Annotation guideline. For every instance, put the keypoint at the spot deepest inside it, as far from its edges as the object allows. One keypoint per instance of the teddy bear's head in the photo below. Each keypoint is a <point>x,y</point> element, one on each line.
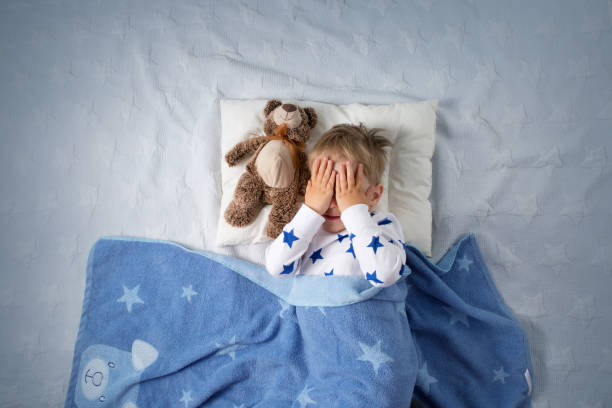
<point>299,120</point>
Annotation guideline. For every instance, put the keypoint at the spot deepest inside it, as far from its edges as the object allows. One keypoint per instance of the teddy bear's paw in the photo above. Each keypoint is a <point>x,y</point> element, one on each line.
<point>230,158</point>
<point>239,216</point>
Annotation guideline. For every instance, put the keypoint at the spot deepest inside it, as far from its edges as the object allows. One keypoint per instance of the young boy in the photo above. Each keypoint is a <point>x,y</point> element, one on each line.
<point>335,232</point>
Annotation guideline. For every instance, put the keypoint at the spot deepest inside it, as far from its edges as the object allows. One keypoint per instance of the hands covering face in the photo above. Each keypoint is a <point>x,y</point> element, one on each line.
<point>320,188</point>
<point>325,182</point>
<point>350,191</point>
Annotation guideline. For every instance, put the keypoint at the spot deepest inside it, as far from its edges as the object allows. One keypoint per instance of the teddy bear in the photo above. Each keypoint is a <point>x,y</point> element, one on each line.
<point>278,172</point>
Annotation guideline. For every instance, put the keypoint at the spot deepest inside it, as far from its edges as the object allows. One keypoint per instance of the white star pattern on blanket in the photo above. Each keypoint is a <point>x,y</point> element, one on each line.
<point>464,263</point>
<point>374,355</point>
<point>457,316</point>
<point>130,297</point>
<point>186,398</point>
<point>500,375</point>
<point>304,399</point>
<point>188,292</point>
<point>424,379</point>
<point>229,349</point>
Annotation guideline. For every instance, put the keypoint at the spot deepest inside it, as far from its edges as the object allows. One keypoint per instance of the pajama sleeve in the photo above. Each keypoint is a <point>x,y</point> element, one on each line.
<point>377,244</point>
<point>283,255</point>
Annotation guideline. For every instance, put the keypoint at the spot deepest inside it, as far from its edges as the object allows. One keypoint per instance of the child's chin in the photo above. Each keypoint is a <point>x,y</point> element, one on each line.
<point>333,226</point>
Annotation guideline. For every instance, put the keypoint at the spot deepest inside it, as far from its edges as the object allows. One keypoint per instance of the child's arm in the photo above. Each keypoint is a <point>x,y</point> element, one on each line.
<point>377,245</point>
<point>283,256</point>
<point>380,259</point>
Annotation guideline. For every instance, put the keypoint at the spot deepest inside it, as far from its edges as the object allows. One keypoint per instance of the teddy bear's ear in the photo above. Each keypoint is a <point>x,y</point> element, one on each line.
<point>271,105</point>
<point>312,116</point>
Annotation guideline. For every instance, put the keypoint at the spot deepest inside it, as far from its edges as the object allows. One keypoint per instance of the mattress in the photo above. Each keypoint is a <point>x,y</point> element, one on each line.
<point>109,119</point>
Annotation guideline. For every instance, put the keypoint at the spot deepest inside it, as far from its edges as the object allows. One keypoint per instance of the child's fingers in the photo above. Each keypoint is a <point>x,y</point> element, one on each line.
<point>343,178</point>
<point>350,180</point>
<point>338,188</point>
<point>322,167</point>
<point>332,180</point>
<point>315,169</point>
<point>328,170</point>
<point>360,174</point>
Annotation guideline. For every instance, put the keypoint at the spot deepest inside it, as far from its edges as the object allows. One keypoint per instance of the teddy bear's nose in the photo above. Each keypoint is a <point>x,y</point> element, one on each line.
<point>289,107</point>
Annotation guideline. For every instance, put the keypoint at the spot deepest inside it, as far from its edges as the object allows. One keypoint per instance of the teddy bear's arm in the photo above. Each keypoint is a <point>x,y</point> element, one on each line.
<point>241,150</point>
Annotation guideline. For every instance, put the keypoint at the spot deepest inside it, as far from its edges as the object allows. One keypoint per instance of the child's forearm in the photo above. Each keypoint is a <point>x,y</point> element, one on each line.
<point>284,253</point>
<point>378,248</point>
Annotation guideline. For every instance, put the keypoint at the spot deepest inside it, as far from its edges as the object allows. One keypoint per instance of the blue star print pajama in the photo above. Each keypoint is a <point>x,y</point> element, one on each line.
<point>370,246</point>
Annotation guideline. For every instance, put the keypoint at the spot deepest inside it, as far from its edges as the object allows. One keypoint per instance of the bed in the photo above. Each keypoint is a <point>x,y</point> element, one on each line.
<point>102,103</point>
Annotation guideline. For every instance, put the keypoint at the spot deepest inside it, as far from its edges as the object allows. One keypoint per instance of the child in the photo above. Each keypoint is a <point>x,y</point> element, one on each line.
<point>335,232</point>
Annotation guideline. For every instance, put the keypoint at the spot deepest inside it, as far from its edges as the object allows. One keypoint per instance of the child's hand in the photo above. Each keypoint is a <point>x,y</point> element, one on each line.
<point>320,188</point>
<point>348,191</point>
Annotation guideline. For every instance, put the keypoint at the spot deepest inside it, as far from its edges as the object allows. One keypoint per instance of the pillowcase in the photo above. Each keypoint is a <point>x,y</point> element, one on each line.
<point>406,179</point>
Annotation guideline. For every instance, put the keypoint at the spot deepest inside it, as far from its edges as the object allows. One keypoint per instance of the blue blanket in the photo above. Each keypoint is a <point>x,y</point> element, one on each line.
<point>163,326</point>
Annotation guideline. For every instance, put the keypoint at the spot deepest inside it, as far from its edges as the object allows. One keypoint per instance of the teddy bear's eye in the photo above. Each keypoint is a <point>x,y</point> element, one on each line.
<point>102,398</point>
<point>111,364</point>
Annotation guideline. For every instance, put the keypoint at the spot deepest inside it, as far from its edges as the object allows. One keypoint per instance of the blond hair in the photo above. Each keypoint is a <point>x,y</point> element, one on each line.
<point>359,145</point>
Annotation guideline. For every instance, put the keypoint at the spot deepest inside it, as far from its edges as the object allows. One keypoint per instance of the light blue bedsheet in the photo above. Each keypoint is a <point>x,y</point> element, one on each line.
<point>166,326</point>
<point>109,125</point>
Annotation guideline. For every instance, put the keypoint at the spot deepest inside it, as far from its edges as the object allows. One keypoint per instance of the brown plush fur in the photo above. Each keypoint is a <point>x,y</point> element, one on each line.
<point>252,193</point>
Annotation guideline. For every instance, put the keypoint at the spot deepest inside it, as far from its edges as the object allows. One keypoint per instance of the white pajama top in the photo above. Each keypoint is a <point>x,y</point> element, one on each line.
<point>371,246</point>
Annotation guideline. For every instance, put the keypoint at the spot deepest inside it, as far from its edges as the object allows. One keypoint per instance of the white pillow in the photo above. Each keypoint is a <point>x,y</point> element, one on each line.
<point>410,126</point>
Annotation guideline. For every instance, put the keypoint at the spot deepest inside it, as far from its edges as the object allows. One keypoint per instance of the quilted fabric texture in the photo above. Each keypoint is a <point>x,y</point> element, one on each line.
<point>109,125</point>
<point>411,127</point>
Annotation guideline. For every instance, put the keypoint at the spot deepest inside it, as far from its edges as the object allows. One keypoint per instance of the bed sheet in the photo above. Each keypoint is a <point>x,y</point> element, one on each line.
<point>109,125</point>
